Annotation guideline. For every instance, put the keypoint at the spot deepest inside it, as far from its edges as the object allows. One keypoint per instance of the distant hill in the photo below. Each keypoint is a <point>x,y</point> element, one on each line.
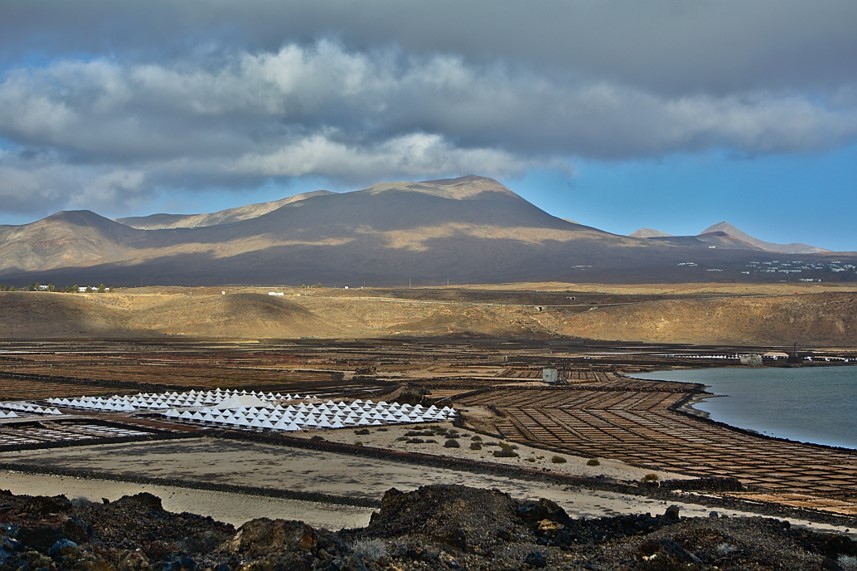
<point>464,230</point>
<point>736,236</point>
<point>724,235</point>
<point>648,233</point>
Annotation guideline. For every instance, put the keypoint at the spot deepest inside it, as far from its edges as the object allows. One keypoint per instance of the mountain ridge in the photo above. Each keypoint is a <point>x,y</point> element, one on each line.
<point>470,229</point>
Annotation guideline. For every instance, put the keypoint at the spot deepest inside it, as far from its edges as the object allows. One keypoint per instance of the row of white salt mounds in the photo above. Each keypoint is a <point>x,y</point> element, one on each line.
<point>164,401</point>
<point>265,416</point>
<point>27,407</point>
<point>10,414</point>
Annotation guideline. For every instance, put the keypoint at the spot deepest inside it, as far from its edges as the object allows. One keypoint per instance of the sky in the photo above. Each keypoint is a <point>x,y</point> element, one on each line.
<point>668,114</point>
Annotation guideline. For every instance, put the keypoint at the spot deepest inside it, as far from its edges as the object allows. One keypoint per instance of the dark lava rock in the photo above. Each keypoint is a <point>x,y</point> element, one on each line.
<point>43,505</point>
<point>76,529</point>
<point>671,515</point>
<point>281,544</point>
<point>535,559</point>
<point>533,512</point>
<point>40,537</point>
<point>712,484</point>
<point>63,547</point>
<point>457,516</point>
<point>434,527</point>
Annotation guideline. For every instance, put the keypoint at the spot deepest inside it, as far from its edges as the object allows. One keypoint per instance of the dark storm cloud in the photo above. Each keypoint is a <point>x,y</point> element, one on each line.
<point>660,45</point>
<point>118,99</point>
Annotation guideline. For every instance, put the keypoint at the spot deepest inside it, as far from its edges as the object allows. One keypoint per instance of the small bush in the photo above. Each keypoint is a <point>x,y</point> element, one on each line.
<point>530,459</point>
<point>401,438</point>
<point>317,438</point>
<point>362,431</point>
<point>476,437</point>
<point>451,443</point>
<point>415,441</point>
<point>383,429</point>
<point>505,452</point>
<point>558,460</point>
<point>358,443</point>
<point>369,549</point>
<point>476,446</point>
<point>650,478</point>
<point>419,433</point>
<point>593,462</point>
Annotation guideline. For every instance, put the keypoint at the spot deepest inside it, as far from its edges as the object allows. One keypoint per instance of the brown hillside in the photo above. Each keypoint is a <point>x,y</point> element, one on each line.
<point>824,319</point>
<point>739,316</point>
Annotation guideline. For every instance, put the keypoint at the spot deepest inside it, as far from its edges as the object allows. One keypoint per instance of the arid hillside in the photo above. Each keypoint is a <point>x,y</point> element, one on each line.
<point>740,315</point>
<point>827,319</point>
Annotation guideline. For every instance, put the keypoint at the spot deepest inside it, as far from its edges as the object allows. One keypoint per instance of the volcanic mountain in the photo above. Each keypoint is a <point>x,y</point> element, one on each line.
<point>724,229</point>
<point>463,230</point>
<point>725,235</point>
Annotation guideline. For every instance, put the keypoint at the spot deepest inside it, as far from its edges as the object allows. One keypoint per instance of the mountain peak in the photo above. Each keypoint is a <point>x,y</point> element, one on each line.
<point>79,218</point>
<point>461,188</point>
<point>649,233</point>
<point>724,226</point>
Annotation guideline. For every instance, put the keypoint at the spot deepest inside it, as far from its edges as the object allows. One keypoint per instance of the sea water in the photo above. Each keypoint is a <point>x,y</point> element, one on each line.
<point>807,404</point>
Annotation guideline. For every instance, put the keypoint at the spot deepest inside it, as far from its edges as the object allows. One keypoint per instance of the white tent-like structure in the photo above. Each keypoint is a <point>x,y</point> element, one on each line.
<point>251,410</point>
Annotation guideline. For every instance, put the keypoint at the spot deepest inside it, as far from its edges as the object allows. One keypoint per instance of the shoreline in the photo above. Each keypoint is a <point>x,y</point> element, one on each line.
<point>703,393</point>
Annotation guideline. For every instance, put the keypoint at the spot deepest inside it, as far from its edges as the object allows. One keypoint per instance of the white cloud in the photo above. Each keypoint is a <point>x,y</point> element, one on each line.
<point>322,110</point>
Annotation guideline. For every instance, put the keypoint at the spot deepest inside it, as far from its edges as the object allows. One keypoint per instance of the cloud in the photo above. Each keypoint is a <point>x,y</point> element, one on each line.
<point>120,102</point>
<point>660,46</point>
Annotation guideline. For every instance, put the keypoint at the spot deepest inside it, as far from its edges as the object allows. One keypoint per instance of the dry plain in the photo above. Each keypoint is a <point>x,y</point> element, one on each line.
<point>480,349</point>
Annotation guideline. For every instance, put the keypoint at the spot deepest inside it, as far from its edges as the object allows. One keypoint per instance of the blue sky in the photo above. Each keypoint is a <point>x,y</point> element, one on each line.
<point>614,114</point>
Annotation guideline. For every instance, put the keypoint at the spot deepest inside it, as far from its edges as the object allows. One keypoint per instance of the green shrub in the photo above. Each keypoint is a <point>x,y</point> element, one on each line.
<point>476,446</point>
<point>451,443</point>
<point>593,462</point>
<point>558,460</point>
<point>362,431</point>
<point>505,452</point>
<point>650,478</point>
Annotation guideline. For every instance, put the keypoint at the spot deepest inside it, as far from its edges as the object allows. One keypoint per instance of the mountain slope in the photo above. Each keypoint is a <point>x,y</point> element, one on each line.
<point>165,221</point>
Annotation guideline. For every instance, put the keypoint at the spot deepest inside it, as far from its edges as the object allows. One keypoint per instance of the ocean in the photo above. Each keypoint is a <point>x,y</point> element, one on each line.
<point>807,404</point>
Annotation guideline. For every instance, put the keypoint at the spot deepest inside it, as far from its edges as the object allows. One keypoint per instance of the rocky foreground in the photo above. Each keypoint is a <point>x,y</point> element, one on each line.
<point>434,527</point>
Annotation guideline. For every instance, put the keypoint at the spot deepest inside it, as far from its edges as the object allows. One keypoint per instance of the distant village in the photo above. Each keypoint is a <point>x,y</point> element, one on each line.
<point>101,288</point>
<point>787,268</point>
